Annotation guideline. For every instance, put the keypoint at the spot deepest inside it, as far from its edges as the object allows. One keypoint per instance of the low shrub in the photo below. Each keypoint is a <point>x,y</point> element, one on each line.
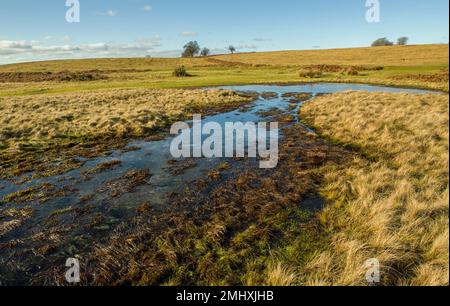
<point>180,72</point>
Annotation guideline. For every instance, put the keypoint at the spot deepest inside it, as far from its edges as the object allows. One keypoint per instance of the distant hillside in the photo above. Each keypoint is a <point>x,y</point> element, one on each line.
<point>384,56</point>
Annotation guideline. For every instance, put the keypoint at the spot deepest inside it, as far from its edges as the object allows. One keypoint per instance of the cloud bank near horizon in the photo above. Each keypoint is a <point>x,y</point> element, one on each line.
<point>19,51</point>
<point>40,50</point>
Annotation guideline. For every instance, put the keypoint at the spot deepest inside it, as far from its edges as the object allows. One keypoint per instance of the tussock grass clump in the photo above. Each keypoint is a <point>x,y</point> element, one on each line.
<point>391,203</point>
<point>311,74</point>
<point>352,71</point>
<point>439,77</point>
<point>297,97</point>
<point>279,275</point>
<point>269,95</point>
<point>180,72</point>
<point>104,167</point>
<point>339,68</point>
<point>12,218</point>
<point>319,71</point>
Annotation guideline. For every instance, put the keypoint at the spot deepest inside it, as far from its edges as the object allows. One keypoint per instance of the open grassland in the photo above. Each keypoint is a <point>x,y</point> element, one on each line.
<point>423,55</point>
<point>410,66</point>
<point>29,121</point>
<point>392,202</point>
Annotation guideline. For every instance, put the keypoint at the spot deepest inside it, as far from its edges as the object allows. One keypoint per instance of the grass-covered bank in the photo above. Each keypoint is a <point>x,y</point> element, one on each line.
<point>390,203</point>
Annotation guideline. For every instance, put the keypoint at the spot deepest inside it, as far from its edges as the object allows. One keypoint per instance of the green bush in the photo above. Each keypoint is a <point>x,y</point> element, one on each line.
<point>180,72</point>
<point>380,42</point>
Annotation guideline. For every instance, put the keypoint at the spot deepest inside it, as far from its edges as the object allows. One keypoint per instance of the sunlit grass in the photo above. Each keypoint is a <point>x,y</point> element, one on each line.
<point>392,202</point>
<point>34,120</point>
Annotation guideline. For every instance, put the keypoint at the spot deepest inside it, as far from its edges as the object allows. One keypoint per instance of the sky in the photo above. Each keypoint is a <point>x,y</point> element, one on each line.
<point>33,30</point>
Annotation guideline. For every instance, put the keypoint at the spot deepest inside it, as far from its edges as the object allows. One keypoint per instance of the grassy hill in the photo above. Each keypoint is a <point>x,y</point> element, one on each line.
<point>417,55</point>
<point>384,56</point>
<point>424,66</point>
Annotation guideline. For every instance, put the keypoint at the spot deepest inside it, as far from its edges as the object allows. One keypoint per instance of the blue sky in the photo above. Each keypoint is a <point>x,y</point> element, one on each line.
<point>38,30</point>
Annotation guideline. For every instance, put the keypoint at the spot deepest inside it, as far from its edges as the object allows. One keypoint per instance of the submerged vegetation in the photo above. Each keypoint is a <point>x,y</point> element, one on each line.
<point>233,227</point>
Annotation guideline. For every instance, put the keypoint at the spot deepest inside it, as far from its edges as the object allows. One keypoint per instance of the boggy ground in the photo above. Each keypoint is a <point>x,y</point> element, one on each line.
<point>35,131</point>
<point>316,218</point>
<point>239,226</point>
<point>374,184</point>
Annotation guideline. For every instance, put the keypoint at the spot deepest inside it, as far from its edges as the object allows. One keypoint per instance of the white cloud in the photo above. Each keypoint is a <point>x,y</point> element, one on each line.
<point>110,13</point>
<point>10,44</point>
<point>14,51</point>
<point>65,38</point>
<point>9,47</point>
<point>261,39</point>
<point>148,8</point>
<point>188,34</point>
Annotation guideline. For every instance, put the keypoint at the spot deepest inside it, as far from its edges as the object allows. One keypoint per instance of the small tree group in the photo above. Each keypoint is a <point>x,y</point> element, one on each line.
<point>192,49</point>
<point>382,42</point>
<point>402,41</point>
<point>205,52</point>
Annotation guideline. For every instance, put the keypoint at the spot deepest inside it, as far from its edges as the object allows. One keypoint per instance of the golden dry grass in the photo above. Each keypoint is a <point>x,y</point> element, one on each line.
<point>392,202</point>
<point>383,56</point>
<point>111,65</point>
<point>33,120</point>
<point>279,275</point>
